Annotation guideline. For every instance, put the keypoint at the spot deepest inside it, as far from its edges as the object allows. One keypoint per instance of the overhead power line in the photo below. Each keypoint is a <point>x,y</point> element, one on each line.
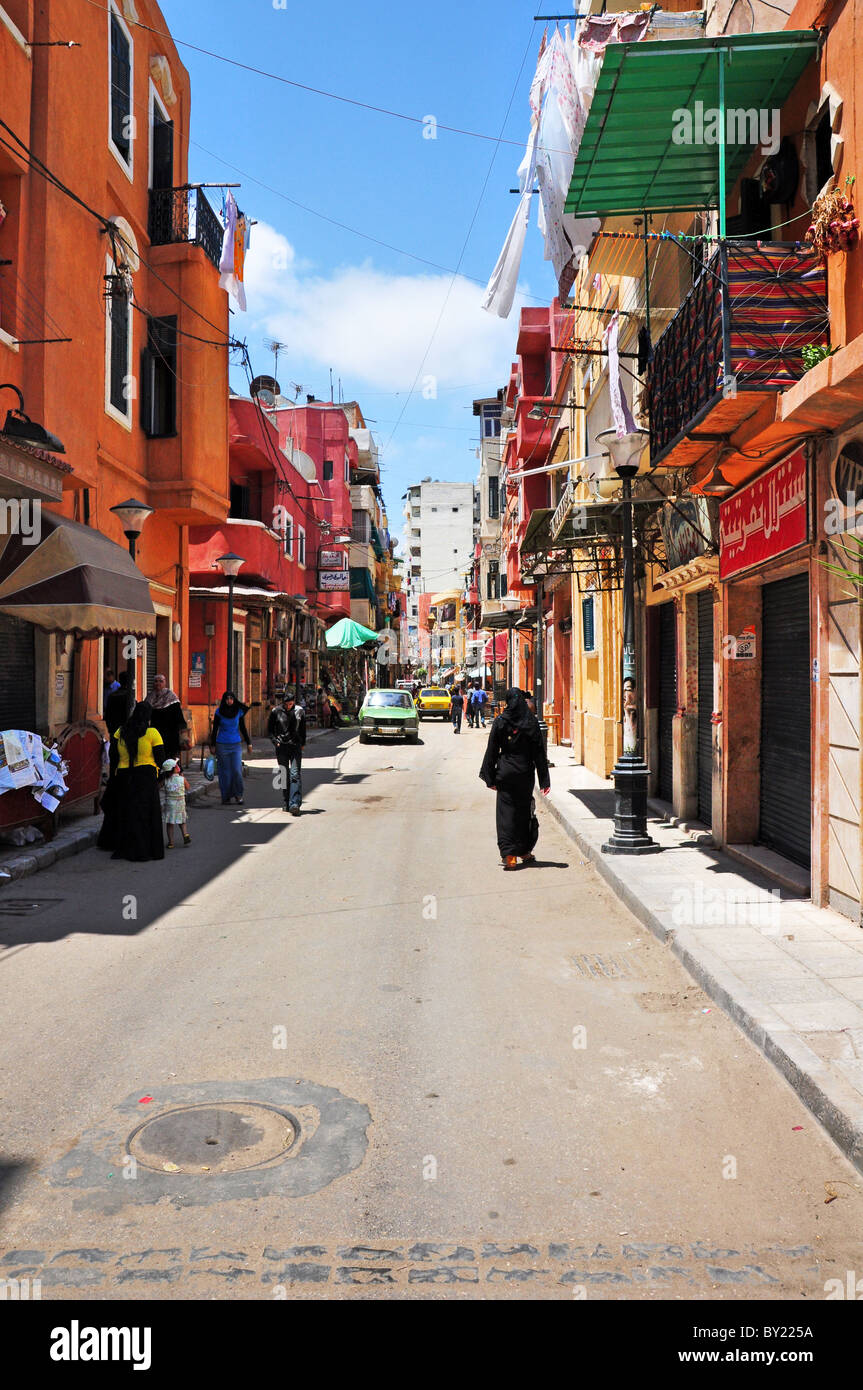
<point>321,91</point>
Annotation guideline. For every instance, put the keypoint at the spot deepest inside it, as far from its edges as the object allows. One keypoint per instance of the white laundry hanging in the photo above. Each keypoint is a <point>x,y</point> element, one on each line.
<point>559,109</point>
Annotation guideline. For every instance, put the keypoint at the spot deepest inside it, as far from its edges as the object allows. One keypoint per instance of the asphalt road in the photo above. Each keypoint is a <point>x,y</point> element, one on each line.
<point>501,1085</point>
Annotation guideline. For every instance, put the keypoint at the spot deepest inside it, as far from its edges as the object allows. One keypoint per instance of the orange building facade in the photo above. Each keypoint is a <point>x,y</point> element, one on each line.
<point>113,326</point>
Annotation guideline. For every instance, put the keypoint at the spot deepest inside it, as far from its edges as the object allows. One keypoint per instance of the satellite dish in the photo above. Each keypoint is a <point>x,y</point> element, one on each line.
<point>265,389</point>
<point>304,465</point>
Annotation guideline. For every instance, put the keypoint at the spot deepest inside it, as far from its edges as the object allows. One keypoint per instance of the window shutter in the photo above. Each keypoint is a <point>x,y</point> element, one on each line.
<point>121,89</point>
<point>119,318</point>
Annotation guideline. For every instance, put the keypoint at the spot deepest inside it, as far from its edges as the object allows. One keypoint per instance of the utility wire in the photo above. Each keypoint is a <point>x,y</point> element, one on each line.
<point>109,227</point>
<point>320,91</point>
<point>457,270</point>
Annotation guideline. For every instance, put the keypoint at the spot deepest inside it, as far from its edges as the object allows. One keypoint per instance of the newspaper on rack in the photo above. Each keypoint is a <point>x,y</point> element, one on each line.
<point>25,761</point>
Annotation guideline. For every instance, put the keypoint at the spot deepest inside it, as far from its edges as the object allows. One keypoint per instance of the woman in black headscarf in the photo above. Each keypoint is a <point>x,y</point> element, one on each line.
<point>515,754</point>
<point>136,814</point>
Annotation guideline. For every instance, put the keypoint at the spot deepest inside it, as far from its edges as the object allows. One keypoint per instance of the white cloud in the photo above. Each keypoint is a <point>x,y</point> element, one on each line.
<point>371,326</point>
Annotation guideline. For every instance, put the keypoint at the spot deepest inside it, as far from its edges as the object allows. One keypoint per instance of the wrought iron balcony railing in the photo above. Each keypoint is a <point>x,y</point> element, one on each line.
<point>741,328</point>
<point>184,215</point>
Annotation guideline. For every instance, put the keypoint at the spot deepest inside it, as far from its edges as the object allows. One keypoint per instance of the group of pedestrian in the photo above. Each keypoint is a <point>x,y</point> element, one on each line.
<point>470,702</point>
<point>145,792</point>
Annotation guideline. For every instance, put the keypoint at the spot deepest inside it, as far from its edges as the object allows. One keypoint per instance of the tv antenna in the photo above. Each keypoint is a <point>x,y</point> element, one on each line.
<point>275,347</point>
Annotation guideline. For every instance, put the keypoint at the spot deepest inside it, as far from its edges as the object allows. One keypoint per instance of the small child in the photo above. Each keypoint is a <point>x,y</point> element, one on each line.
<point>173,787</point>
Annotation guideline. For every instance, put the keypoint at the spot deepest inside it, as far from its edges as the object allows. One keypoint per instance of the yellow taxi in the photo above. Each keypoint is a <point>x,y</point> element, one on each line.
<point>431,700</point>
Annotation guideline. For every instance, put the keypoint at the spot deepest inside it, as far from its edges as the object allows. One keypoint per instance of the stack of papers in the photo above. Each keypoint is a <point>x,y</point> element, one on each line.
<point>25,761</point>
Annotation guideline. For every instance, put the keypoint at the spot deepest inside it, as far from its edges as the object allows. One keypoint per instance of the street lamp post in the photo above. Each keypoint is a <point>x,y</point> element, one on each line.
<point>539,658</point>
<point>230,566</point>
<point>630,772</point>
<point>132,515</point>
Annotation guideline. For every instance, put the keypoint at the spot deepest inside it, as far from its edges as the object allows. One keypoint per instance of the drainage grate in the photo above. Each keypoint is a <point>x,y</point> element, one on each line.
<point>605,967</point>
<point>25,907</point>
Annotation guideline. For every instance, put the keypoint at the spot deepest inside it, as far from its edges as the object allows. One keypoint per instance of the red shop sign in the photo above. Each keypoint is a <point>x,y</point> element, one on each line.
<point>766,518</point>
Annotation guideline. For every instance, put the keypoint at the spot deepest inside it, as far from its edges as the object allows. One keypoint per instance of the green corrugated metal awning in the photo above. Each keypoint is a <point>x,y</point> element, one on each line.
<point>361,584</point>
<point>628,160</point>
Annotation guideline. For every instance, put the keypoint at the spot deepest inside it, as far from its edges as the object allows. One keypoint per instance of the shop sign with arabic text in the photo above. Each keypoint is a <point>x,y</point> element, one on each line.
<point>766,518</point>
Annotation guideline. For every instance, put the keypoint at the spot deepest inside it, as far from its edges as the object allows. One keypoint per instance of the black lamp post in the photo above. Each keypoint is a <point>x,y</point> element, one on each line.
<point>132,515</point>
<point>630,772</point>
<point>540,572</point>
<point>230,566</point>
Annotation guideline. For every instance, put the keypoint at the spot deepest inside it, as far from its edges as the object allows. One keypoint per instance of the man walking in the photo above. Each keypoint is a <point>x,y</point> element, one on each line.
<point>457,707</point>
<point>287,729</point>
<point>478,700</point>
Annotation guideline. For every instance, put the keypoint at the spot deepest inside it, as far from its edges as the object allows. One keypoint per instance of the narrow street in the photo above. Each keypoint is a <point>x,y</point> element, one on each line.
<point>479,1115</point>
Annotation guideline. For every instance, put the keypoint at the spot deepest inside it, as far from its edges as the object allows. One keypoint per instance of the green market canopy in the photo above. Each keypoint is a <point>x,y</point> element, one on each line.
<point>347,634</point>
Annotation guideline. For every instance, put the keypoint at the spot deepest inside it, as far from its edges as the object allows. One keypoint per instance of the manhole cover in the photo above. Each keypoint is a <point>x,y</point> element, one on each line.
<point>220,1138</point>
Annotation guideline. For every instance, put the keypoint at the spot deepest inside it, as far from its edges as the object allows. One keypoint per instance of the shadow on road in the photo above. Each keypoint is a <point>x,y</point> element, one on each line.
<point>95,895</point>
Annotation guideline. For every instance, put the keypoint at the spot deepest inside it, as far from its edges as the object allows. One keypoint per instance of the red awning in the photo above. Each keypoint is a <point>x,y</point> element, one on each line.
<point>495,647</point>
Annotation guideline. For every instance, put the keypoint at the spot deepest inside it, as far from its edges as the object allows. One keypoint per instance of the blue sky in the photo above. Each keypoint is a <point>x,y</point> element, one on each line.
<point>339,300</point>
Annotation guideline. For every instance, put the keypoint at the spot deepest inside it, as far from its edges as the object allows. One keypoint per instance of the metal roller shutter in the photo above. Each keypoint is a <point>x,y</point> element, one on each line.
<point>785,719</point>
<point>667,698</point>
<point>704,732</point>
<point>17,674</point>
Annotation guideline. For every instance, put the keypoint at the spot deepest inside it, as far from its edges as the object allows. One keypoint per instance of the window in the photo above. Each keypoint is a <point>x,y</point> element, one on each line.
<point>240,500</point>
<point>493,497</point>
<point>434,509</point>
<point>588,624</point>
<point>120,79</point>
<point>161,143</point>
<point>347,469</point>
<point>328,470</point>
<point>289,537</point>
<point>159,379</point>
<point>455,509</point>
<point>118,346</point>
<point>301,546</point>
<point>491,422</point>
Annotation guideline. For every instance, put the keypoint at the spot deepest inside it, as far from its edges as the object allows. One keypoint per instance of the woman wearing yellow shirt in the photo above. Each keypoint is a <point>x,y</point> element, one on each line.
<point>134,815</point>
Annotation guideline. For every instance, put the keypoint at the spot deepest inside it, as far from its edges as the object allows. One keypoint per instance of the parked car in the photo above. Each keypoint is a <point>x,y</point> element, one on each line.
<point>434,699</point>
<point>390,714</point>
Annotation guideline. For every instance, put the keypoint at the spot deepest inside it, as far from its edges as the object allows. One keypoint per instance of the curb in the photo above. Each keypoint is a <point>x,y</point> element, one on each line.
<point>66,843</point>
<point>73,841</point>
<point>831,1100</point>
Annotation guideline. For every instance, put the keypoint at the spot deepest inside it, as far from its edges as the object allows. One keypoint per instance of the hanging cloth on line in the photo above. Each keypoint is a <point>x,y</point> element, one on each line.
<point>235,244</point>
<point>620,411</point>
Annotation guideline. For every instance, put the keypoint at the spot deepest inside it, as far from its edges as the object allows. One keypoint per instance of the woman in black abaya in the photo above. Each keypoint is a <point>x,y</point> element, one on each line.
<point>514,756</point>
<point>136,814</point>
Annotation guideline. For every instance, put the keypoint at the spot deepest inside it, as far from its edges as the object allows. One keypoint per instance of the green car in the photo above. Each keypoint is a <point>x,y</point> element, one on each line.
<point>390,713</point>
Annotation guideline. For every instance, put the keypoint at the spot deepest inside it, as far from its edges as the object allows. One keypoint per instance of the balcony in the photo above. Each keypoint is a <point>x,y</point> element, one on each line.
<point>735,341</point>
<point>180,215</point>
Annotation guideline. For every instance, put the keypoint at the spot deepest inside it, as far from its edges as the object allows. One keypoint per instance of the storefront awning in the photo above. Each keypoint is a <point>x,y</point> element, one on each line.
<point>495,647</point>
<point>628,160</point>
<point>71,578</point>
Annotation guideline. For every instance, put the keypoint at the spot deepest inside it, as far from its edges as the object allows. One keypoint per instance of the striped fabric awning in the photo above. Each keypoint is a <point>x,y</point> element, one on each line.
<point>71,578</point>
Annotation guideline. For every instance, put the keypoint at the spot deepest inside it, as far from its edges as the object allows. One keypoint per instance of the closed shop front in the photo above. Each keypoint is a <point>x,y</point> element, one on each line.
<point>667,699</point>
<point>17,673</point>
<point>786,794</point>
<point>704,723</point>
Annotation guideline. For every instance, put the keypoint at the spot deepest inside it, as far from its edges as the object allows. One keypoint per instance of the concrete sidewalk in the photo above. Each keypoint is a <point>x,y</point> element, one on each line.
<point>78,833</point>
<point>788,973</point>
